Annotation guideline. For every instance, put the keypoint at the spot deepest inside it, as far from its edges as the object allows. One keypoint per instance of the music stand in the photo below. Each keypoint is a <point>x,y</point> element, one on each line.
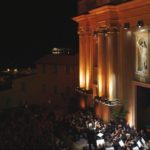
<point>143,141</point>
<point>135,148</point>
<point>109,148</point>
<point>139,144</point>
<point>121,143</point>
<point>100,142</point>
<point>100,135</point>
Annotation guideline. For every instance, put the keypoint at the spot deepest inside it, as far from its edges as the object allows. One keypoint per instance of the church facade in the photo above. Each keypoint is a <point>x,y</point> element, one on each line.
<point>114,58</point>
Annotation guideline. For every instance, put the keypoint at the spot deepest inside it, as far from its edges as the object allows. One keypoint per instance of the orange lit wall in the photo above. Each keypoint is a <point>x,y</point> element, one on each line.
<point>111,55</point>
<point>87,42</point>
<point>85,59</point>
<point>82,103</point>
<point>101,64</point>
<point>115,68</point>
<point>82,63</point>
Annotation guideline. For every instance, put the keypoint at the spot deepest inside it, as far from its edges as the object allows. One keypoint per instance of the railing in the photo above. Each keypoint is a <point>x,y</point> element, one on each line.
<point>83,91</point>
<point>106,101</point>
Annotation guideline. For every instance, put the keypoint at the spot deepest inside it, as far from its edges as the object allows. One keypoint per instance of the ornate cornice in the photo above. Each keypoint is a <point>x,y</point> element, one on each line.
<point>85,30</point>
<point>131,12</point>
<point>106,30</point>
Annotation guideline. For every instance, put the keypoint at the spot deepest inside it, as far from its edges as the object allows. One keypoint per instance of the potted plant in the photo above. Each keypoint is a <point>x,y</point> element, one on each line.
<point>119,113</point>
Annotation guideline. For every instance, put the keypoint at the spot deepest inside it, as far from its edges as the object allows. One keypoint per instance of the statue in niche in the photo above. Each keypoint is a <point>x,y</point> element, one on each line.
<point>142,52</point>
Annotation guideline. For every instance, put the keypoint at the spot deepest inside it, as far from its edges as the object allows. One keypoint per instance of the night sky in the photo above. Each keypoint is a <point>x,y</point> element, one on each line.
<point>28,30</point>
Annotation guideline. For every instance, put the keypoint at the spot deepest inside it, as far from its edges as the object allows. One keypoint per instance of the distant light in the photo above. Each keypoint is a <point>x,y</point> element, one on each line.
<point>57,51</point>
<point>8,69</point>
<point>15,70</point>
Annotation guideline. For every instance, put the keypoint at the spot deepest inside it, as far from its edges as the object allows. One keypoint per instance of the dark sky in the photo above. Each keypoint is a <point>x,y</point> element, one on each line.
<point>29,29</point>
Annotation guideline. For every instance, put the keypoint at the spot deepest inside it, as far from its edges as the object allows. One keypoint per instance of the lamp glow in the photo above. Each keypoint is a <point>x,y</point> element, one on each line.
<point>100,87</point>
<point>87,80</point>
<point>130,118</point>
<point>82,103</point>
<point>82,81</point>
<point>112,87</point>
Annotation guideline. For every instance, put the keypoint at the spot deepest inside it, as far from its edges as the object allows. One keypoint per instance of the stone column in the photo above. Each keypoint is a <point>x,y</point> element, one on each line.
<point>91,61</point>
<point>82,59</point>
<point>111,63</point>
<point>101,63</point>
<point>88,60</point>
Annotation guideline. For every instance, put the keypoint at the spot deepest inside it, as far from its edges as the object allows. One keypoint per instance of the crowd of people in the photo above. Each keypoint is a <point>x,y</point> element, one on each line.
<point>37,128</point>
<point>29,128</point>
<point>116,134</point>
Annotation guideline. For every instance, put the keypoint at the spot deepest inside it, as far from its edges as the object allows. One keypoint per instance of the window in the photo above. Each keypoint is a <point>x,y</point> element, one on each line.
<point>55,68</point>
<point>68,69</point>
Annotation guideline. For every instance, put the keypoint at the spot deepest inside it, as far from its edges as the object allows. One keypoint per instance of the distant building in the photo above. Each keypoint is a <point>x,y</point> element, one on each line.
<point>53,83</point>
<point>58,75</point>
<point>7,75</point>
<point>62,51</point>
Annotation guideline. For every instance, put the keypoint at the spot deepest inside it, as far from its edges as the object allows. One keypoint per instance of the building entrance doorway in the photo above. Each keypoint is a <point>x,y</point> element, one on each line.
<point>143,107</point>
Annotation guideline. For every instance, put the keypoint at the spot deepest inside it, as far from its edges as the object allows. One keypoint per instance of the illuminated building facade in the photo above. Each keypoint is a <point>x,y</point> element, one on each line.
<point>112,37</point>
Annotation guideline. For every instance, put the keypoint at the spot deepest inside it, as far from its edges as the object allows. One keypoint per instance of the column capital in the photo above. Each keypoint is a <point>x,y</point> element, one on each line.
<point>113,29</point>
<point>106,30</point>
<point>85,30</point>
<point>100,31</point>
